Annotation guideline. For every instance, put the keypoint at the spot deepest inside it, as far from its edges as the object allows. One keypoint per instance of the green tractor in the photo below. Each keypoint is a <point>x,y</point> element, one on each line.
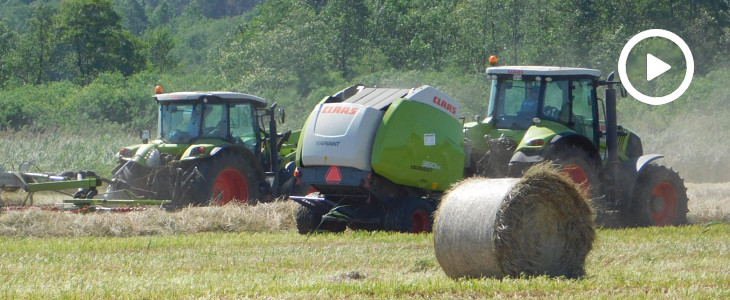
<point>554,114</point>
<point>211,148</point>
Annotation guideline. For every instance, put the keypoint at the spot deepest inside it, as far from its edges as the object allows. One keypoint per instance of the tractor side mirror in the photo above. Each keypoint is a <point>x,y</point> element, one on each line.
<point>282,114</point>
<point>623,92</point>
<point>145,136</point>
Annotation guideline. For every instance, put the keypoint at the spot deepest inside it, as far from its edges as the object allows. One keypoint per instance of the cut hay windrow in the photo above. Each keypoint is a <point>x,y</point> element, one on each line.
<point>540,224</point>
<point>264,217</point>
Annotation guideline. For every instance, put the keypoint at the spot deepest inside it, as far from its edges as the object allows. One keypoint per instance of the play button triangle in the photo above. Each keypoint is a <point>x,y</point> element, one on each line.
<point>655,67</point>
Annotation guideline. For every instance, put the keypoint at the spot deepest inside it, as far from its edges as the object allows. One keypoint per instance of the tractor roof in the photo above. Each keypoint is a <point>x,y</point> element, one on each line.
<point>221,96</point>
<point>543,71</point>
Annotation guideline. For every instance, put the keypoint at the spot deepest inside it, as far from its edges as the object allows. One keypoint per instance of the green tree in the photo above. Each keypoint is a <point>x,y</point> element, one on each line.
<point>93,32</point>
<point>7,46</point>
<point>280,51</point>
<point>390,30</point>
<point>348,24</point>
<point>221,8</point>
<point>162,14</point>
<point>161,43</point>
<point>133,15</point>
<point>36,48</point>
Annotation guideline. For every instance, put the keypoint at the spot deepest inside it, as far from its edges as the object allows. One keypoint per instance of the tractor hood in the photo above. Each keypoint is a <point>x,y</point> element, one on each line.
<point>149,155</point>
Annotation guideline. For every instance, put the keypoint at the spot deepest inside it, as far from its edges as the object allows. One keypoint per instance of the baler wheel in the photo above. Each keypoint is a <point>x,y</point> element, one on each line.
<point>420,221</point>
<point>309,221</point>
<point>415,216</point>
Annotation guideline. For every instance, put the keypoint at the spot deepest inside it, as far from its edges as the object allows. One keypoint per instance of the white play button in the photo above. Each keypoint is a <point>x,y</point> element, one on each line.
<point>655,67</point>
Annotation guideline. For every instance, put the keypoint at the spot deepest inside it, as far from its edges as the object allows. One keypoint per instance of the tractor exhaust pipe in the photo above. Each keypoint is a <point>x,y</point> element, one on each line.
<point>611,134</point>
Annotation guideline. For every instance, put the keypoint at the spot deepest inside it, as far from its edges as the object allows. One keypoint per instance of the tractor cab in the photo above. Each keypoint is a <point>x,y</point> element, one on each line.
<point>555,96</point>
<point>190,116</point>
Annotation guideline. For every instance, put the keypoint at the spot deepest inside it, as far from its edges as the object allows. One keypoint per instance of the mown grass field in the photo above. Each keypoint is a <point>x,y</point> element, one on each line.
<point>685,262</point>
<point>254,251</point>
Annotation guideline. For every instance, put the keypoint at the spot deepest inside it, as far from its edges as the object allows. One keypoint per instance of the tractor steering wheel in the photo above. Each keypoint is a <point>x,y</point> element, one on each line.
<point>551,112</point>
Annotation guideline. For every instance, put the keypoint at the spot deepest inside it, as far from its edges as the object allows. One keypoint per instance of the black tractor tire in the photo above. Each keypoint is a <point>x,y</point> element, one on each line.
<point>217,180</point>
<point>132,178</point>
<point>309,221</point>
<point>659,198</point>
<point>576,163</point>
<point>413,216</point>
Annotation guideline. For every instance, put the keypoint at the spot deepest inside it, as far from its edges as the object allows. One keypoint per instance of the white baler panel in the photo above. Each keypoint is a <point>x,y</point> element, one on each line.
<point>340,134</point>
<point>431,96</point>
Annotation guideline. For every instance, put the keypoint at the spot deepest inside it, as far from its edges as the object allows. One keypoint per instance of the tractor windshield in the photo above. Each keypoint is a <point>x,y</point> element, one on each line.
<point>514,103</point>
<point>183,122</point>
<point>569,101</point>
<point>180,123</point>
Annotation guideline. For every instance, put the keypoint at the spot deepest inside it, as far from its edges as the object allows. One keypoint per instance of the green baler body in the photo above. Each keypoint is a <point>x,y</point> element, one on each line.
<point>418,145</point>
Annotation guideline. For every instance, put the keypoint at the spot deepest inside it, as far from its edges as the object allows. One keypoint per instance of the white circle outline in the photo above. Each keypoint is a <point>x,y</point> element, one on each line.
<point>687,57</point>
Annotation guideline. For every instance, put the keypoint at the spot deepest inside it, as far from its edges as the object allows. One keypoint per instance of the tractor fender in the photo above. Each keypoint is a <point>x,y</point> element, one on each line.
<point>523,160</point>
<point>566,138</point>
<point>642,161</point>
<point>572,138</point>
<point>287,178</point>
<point>629,174</point>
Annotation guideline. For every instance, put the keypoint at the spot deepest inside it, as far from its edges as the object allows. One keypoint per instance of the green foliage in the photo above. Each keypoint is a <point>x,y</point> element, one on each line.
<point>35,54</point>
<point>162,14</point>
<point>7,41</point>
<point>161,43</point>
<point>93,31</point>
<point>111,98</point>
<point>133,15</point>
<point>347,22</point>
<point>276,51</point>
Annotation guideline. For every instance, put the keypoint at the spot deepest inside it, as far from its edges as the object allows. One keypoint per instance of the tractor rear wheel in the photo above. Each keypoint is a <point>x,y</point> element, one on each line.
<point>309,221</point>
<point>659,198</point>
<point>217,180</point>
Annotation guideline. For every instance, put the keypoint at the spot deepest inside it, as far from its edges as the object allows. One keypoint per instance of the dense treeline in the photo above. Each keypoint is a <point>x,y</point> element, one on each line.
<point>64,62</point>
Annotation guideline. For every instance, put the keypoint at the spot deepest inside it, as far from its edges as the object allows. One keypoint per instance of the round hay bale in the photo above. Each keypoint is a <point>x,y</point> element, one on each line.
<point>540,224</point>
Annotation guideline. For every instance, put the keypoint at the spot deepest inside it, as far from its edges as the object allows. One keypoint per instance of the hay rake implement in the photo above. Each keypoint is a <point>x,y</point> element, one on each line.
<point>84,182</point>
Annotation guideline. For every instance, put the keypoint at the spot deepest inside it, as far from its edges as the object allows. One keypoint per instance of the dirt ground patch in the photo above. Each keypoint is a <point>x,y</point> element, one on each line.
<point>708,202</point>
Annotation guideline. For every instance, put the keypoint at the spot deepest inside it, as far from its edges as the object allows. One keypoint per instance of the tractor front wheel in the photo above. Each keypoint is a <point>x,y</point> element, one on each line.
<point>217,180</point>
<point>129,177</point>
<point>659,198</point>
<point>577,165</point>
